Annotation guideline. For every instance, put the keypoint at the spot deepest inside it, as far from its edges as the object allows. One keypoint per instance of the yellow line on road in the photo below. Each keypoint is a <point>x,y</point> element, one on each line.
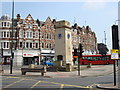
<point>76,86</point>
<point>9,77</point>
<point>66,84</point>
<point>35,84</point>
<point>13,83</point>
<point>61,87</point>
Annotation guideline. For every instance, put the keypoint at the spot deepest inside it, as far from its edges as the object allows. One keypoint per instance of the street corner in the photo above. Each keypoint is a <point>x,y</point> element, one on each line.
<point>107,86</point>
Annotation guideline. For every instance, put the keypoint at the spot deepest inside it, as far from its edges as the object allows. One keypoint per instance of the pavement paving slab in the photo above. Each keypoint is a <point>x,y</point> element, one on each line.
<point>107,86</point>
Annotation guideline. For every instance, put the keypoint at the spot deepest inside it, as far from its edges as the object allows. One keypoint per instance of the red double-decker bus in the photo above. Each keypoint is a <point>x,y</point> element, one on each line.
<point>96,59</point>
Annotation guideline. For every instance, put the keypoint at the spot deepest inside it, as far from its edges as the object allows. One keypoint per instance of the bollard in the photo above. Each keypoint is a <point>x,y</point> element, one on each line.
<point>68,67</point>
<point>44,70</point>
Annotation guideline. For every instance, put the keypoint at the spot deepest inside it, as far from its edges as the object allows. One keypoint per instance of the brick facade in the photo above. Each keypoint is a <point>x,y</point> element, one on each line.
<point>33,36</point>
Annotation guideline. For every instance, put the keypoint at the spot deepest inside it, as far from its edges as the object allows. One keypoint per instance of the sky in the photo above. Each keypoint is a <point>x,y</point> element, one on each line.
<point>100,15</point>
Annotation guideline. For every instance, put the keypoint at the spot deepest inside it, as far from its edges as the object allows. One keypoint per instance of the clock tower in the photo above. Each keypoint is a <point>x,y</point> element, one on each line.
<point>63,43</point>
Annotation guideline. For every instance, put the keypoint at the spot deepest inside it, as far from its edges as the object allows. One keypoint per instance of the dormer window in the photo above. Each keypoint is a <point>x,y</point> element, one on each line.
<point>30,25</point>
<point>27,26</point>
<point>29,18</point>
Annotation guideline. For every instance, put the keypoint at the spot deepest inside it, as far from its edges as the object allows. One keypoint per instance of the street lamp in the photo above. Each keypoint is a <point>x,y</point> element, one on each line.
<point>11,59</point>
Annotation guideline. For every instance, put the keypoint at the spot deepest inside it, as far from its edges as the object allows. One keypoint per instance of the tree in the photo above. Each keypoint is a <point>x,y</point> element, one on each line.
<point>102,48</point>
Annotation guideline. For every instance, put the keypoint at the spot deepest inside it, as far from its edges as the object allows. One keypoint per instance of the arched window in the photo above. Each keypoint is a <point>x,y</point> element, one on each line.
<point>42,45</point>
<point>42,35</point>
<point>5,24</point>
<point>47,46</point>
<point>36,34</point>
<point>47,36</point>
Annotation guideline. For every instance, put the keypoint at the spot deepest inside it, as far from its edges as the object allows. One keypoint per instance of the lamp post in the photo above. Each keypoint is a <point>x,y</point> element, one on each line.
<point>40,56</point>
<point>11,59</point>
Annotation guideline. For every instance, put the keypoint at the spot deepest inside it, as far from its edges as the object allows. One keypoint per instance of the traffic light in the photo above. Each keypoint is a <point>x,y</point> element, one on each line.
<point>2,52</point>
<point>80,49</point>
<point>115,40</point>
<point>75,52</point>
<point>12,54</point>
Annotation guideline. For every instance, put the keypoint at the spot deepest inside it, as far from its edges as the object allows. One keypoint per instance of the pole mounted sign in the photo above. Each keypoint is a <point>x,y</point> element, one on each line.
<point>114,54</point>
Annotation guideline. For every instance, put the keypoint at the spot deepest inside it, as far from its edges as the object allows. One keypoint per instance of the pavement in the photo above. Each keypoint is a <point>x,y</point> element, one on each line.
<point>95,70</point>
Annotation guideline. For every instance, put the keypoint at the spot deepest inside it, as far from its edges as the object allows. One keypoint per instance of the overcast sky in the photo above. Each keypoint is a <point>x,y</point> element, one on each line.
<point>100,15</point>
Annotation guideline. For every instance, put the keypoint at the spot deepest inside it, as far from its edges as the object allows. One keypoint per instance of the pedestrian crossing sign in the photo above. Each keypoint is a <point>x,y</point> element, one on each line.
<point>114,54</point>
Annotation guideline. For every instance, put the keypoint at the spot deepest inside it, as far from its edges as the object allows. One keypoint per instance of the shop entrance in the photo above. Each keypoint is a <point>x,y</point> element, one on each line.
<point>6,60</point>
<point>30,60</point>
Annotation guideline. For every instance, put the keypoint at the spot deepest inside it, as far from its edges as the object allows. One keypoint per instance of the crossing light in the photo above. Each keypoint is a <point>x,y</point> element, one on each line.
<point>115,40</point>
<point>80,49</point>
<point>12,54</point>
<point>75,52</point>
<point>75,55</point>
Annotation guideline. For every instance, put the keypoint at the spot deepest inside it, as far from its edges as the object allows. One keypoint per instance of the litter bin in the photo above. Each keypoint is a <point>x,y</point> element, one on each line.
<point>68,67</point>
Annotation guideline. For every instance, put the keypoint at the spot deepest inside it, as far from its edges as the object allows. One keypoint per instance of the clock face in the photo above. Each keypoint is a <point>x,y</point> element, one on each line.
<point>68,36</point>
<point>59,36</point>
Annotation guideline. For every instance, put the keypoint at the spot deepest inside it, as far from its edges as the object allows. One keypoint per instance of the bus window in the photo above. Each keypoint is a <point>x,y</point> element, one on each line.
<point>84,58</point>
<point>90,58</point>
<point>94,58</point>
<point>97,58</point>
<point>101,58</point>
<point>107,58</point>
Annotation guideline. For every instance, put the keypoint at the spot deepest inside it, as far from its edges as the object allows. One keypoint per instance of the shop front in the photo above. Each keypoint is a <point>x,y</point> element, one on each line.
<point>30,58</point>
<point>47,55</point>
<point>6,58</point>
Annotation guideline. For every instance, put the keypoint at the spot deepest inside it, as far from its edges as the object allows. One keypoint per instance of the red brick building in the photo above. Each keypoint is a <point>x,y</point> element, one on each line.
<point>34,40</point>
<point>86,37</point>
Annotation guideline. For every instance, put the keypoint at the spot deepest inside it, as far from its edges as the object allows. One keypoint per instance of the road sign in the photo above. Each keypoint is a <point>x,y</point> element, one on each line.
<point>114,54</point>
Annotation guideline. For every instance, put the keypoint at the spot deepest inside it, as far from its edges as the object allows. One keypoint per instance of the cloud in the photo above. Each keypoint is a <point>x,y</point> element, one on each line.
<point>94,5</point>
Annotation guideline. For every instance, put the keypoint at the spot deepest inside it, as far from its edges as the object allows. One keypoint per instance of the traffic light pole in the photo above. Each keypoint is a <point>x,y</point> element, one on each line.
<point>2,59</point>
<point>114,73</point>
<point>78,65</point>
<point>115,45</point>
<point>80,51</point>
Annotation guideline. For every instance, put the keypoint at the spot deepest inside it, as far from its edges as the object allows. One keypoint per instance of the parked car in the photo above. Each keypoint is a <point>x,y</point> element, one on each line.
<point>48,62</point>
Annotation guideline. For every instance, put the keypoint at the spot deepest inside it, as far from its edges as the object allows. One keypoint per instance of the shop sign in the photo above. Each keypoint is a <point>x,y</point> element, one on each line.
<point>7,53</point>
<point>28,55</point>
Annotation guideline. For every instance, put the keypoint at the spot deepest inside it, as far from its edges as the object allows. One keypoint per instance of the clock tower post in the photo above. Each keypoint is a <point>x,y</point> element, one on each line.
<point>63,43</point>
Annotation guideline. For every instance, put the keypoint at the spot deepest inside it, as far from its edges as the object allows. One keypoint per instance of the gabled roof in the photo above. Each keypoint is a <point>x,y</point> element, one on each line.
<point>48,20</point>
<point>29,18</point>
